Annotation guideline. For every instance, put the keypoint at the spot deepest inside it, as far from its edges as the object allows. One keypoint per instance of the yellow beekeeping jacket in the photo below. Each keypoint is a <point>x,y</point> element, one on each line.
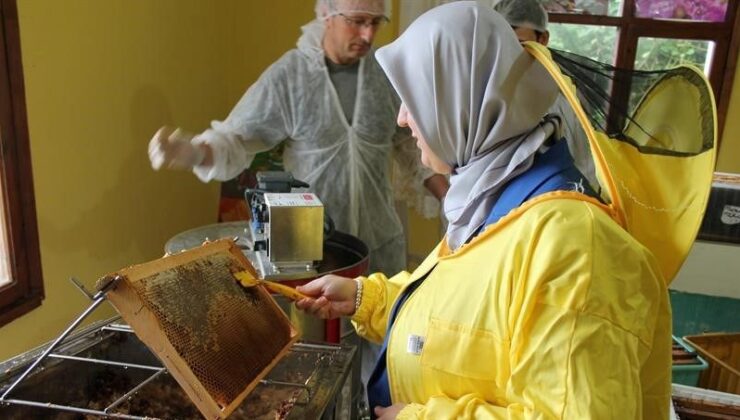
<point>555,311</point>
<point>560,309</point>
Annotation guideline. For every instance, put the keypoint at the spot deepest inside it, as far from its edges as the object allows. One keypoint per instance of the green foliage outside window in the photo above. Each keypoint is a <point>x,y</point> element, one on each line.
<point>662,53</point>
<point>599,43</point>
<point>595,42</point>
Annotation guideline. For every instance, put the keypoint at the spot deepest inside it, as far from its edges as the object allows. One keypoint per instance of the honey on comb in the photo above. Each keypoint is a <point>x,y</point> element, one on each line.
<point>225,333</point>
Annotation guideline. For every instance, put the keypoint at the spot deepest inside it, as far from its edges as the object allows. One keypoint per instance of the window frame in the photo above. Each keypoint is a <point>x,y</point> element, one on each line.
<point>631,28</point>
<point>25,291</point>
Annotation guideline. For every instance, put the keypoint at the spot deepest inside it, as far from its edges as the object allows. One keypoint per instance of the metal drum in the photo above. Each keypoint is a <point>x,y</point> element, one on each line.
<point>344,255</point>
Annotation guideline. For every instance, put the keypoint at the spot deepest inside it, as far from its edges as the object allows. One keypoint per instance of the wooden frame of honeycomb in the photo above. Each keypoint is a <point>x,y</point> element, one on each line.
<point>216,338</point>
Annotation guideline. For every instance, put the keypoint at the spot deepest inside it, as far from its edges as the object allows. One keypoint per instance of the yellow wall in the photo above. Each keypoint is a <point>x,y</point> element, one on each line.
<point>728,159</point>
<point>101,77</point>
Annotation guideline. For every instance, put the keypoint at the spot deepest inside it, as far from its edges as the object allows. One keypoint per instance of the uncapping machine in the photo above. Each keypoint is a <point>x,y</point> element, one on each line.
<point>287,227</point>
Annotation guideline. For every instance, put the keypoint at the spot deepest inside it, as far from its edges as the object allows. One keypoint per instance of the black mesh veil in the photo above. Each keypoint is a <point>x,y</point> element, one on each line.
<point>612,98</point>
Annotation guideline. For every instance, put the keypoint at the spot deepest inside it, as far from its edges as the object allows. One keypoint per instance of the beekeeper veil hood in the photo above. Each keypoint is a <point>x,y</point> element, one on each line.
<point>479,100</point>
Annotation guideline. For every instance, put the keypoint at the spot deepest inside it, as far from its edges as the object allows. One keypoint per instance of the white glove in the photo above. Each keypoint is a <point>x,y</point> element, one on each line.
<point>174,150</point>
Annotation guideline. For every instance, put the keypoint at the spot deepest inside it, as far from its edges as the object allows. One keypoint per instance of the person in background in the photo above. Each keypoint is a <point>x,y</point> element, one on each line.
<point>512,315</point>
<point>529,20</point>
<point>331,105</point>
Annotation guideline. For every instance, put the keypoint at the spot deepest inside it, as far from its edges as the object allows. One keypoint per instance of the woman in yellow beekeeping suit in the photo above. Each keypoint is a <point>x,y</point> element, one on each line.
<point>548,296</point>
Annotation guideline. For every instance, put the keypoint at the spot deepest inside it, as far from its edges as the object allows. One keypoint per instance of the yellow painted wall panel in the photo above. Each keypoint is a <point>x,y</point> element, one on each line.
<point>101,77</point>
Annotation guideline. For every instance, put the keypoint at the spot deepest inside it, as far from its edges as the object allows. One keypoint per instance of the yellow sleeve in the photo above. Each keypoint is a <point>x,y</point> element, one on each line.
<point>379,293</point>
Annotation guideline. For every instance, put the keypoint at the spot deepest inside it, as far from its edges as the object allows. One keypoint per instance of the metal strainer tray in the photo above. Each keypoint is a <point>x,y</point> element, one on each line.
<point>216,338</point>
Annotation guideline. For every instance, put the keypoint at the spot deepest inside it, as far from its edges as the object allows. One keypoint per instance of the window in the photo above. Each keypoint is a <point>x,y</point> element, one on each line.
<point>653,34</point>
<point>21,285</point>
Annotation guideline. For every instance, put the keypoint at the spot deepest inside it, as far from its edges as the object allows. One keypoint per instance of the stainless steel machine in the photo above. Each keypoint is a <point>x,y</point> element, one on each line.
<point>287,227</point>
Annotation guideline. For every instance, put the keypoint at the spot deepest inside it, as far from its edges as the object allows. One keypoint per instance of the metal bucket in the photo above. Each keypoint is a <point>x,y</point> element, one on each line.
<point>344,255</point>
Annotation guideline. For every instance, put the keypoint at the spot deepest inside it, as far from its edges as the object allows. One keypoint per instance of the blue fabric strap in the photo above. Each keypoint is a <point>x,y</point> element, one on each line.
<point>551,171</point>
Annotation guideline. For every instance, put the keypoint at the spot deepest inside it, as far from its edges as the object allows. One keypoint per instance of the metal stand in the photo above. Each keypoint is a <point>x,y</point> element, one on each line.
<point>97,299</point>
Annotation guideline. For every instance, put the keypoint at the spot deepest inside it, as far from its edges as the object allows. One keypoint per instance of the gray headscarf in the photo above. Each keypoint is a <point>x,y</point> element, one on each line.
<point>479,100</point>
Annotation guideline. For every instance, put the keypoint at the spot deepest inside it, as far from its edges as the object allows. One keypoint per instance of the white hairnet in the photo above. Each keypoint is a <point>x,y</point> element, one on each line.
<point>523,13</point>
<point>328,8</point>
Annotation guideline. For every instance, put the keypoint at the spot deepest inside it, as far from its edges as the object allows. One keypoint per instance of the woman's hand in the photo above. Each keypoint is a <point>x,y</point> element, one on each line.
<point>388,413</point>
<point>331,297</point>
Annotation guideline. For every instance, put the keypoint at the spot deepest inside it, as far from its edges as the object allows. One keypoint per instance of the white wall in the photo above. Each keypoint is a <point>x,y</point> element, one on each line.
<point>712,268</point>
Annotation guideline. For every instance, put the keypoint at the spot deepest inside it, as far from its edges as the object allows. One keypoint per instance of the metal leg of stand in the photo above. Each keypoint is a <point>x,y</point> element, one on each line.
<point>97,300</point>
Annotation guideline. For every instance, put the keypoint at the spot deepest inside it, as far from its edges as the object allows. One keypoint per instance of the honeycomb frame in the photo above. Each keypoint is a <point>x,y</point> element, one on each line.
<point>216,338</point>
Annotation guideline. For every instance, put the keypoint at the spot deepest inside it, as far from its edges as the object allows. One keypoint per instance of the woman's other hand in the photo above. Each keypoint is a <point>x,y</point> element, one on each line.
<point>388,413</point>
<point>330,297</point>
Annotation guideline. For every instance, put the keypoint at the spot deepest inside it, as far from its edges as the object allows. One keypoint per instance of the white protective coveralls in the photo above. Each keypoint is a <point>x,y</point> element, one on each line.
<point>347,166</point>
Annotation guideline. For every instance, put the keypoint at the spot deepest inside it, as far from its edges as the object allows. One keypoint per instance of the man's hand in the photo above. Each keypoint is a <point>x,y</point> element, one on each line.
<point>388,413</point>
<point>172,149</point>
<point>331,297</point>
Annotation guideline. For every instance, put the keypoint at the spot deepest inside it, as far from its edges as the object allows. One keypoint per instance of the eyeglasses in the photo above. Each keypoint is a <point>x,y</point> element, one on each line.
<point>361,22</point>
